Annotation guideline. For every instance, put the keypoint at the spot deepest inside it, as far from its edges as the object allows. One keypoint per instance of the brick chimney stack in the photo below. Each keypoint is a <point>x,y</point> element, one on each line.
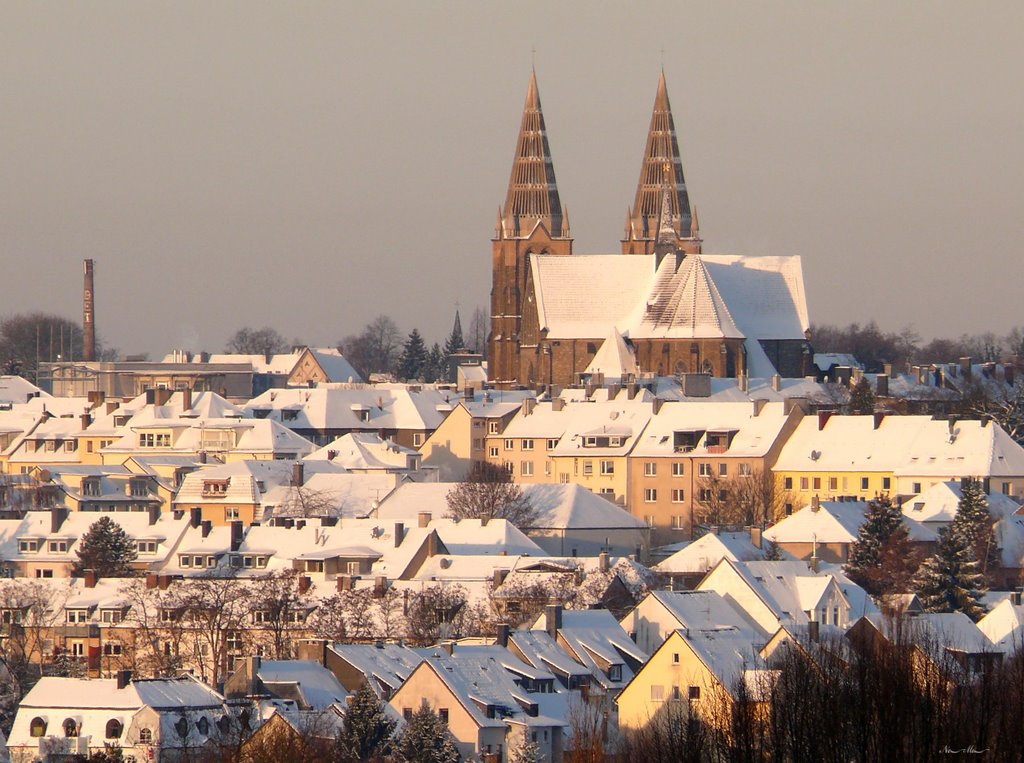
<point>88,316</point>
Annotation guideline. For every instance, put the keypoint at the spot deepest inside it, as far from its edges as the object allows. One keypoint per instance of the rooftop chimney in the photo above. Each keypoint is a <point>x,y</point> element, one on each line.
<point>602,561</point>
<point>186,399</point>
<point>124,677</point>
<point>89,581</point>
<point>399,533</point>
<point>553,619</point>
<point>57,517</point>
<point>503,630</point>
<point>298,474</point>
<point>88,315</point>
<point>776,382</point>
<point>207,526</point>
<point>154,514</point>
<point>305,582</point>
<point>86,420</point>
<point>423,518</point>
<point>236,534</point>
<point>823,417</point>
<point>882,385</point>
<point>813,631</point>
<point>195,516</point>
<point>815,504</point>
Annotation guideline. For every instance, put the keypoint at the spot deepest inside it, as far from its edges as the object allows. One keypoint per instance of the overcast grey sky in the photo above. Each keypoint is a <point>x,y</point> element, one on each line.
<point>310,165</point>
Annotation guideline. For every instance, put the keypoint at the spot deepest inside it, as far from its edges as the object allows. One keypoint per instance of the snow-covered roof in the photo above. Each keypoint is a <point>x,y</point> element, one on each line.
<point>1003,625</point>
<point>704,553</point>
<point>939,503</point>
<point>753,431</point>
<point>365,451</point>
<point>905,445</point>
<point>354,408</point>
<point>833,522</point>
<point>615,359</point>
<point>17,389</point>
<point>317,686</point>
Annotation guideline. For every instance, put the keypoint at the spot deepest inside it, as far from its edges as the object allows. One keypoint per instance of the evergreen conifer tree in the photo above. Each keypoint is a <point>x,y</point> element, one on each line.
<point>366,731</point>
<point>950,581</point>
<point>426,739</point>
<point>881,520</point>
<point>974,522</point>
<point>437,365</point>
<point>106,549</point>
<point>414,357</point>
<point>862,398</point>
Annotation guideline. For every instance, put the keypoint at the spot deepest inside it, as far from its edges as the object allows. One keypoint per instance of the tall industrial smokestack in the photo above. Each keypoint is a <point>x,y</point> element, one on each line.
<point>88,316</point>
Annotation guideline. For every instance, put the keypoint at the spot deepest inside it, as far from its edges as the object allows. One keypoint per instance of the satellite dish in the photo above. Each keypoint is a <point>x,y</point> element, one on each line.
<point>815,455</point>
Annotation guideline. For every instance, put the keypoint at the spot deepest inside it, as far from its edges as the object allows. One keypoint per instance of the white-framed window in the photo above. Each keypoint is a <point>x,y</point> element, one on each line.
<point>547,468</point>
<point>185,560</point>
<point>607,468</point>
<point>69,446</point>
<point>864,482</point>
<point>232,512</point>
<point>28,546</point>
<point>145,546</point>
<point>657,693</point>
<point>678,469</point>
<point>57,546</point>
<point>77,615</point>
<point>563,478</point>
<point>745,470</point>
<point>526,468</point>
<point>723,469</point>
<point>650,495</point>
<point>510,444</point>
<point>493,427</point>
<point>704,469</point>
<point>552,443</point>
<point>418,439</point>
<point>678,495</point>
<point>111,615</point>
<point>527,444</point>
<point>650,468</point>
<point>588,468</point>
<point>678,522</point>
<point>493,451</point>
<point>510,467</point>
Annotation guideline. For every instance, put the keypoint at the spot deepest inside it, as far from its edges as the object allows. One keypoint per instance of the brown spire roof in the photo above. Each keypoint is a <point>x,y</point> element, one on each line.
<point>532,191</point>
<point>661,150</point>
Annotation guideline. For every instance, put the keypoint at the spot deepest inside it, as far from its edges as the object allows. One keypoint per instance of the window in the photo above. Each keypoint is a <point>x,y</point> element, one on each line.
<point>145,736</point>
<point>112,650</point>
<point>835,615</point>
<point>232,512</point>
<point>91,487</point>
<point>675,658</point>
<point>563,478</point>
<point>678,469</point>
<point>694,693</point>
<point>138,488</point>
<point>678,522</point>
<point>1006,488</point>
<point>804,483</point>
<point>145,546</point>
<point>353,568</point>
<point>203,726</point>
<point>111,615</point>
<point>28,546</point>
<point>745,470</point>
<point>657,693</point>
<point>407,713</point>
<point>863,483</point>
<point>547,468</point>
<point>886,482</point>
<point>114,729</point>
<point>915,488</point>
<point>588,468</point>
<point>704,494</point>
<point>185,560</point>
<point>678,495</point>
<point>650,495</point>
<point>37,727</point>
<point>493,427</point>
<point>442,713</point>
<point>527,444</point>
<point>215,488</point>
<point>510,444</point>
<point>650,468</point>
<point>493,451</point>
<point>607,468</point>
<point>833,483</point>
<point>51,445</point>
<point>615,672</point>
<point>57,546</point>
<point>509,467</point>
<point>44,573</point>
<point>417,439</point>
<point>676,696</point>
<point>552,444</point>
<point>816,483</point>
<point>704,469</point>
<point>70,727</point>
<point>723,470</point>
<point>233,641</point>
<point>526,468</point>
<point>788,482</point>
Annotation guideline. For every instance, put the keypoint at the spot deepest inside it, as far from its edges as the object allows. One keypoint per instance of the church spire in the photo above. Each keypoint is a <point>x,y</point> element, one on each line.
<point>532,191</point>
<point>661,149</point>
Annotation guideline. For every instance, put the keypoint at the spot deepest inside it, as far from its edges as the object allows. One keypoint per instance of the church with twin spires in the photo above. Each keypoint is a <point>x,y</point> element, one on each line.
<point>660,307</point>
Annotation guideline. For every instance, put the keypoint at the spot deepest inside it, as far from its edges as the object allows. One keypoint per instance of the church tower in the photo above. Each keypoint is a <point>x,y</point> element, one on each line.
<point>532,221</point>
<point>661,163</point>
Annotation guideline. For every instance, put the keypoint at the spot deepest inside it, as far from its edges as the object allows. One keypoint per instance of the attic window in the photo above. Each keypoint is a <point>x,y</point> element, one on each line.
<point>91,487</point>
<point>214,488</point>
<point>684,441</point>
<point>37,728</point>
<point>289,414</point>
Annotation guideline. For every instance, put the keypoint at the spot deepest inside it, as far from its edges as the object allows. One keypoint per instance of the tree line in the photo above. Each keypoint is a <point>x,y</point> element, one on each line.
<point>874,347</point>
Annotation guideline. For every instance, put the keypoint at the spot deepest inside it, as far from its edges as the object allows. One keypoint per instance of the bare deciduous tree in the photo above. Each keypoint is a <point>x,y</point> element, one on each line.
<point>488,492</point>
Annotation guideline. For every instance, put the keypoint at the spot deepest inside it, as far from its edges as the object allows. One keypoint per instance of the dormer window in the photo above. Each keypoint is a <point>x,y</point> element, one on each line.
<point>111,615</point>
<point>215,488</point>
<point>121,420</point>
<point>684,441</point>
<point>28,546</point>
<point>615,672</point>
<point>75,616</point>
<point>291,414</point>
<point>91,487</point>
<point>138,488</point>
<point>57,546</point>
<point>145,546</point>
